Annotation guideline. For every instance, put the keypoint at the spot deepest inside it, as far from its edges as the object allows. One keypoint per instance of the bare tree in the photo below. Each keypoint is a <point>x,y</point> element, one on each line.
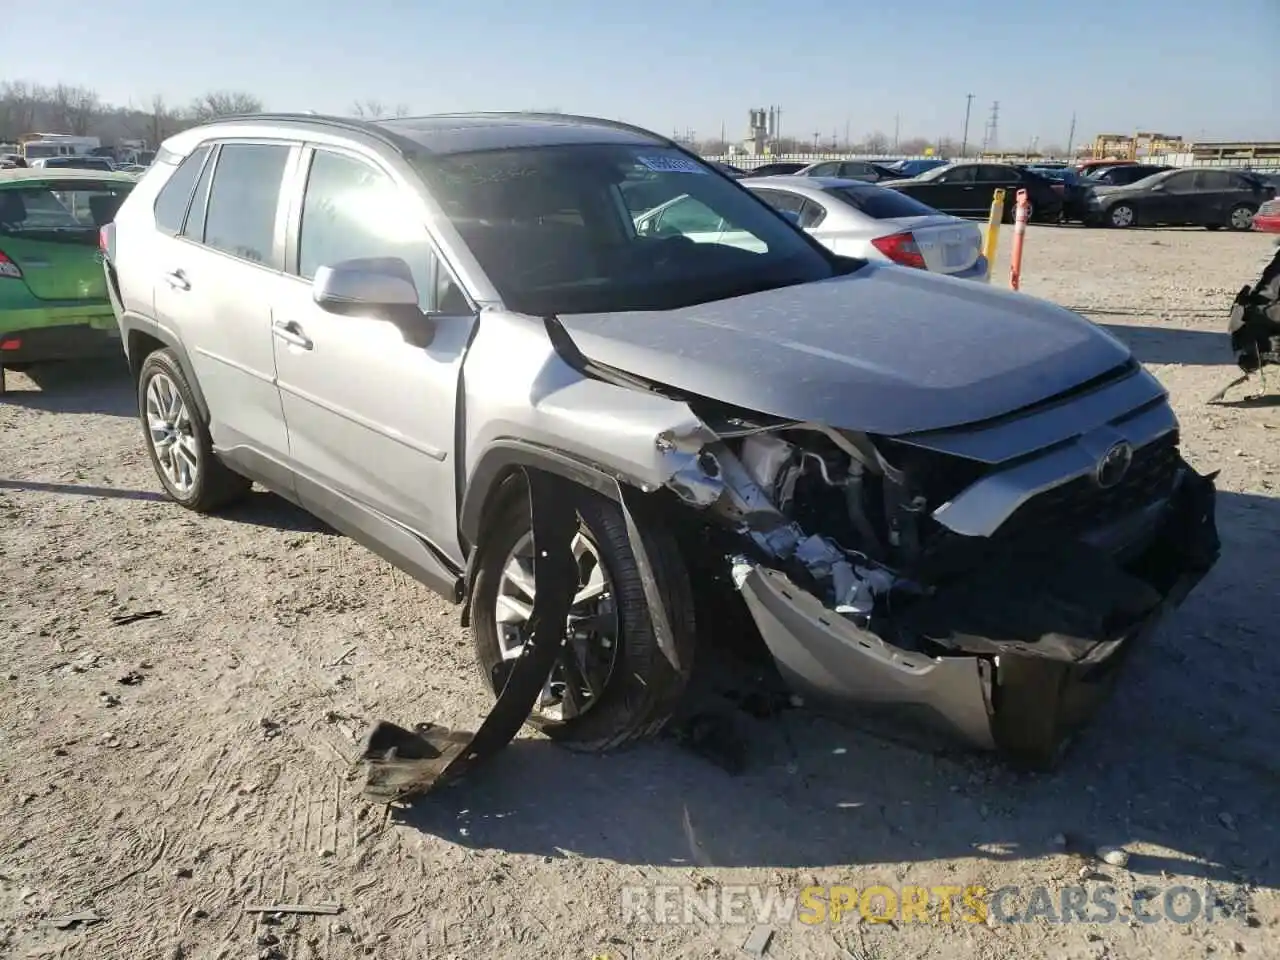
<point>19,104</point>
<point>80,106</point>
<point>913,146</point>
<point>1053,150</point>
<point>223,103</point>
<point>161,122</point>
<point>402,110</point>
<point>875,143</point>
<point>369,109</point>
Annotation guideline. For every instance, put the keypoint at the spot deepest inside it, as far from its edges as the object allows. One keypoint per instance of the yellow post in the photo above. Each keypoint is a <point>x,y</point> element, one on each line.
<point>993,229</point>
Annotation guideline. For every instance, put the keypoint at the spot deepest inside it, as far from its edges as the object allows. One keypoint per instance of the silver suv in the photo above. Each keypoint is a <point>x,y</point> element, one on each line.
<point>931,500</point>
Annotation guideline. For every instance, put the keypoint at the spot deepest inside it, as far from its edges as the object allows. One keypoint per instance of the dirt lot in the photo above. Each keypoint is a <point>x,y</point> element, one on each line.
<point>220,774</point>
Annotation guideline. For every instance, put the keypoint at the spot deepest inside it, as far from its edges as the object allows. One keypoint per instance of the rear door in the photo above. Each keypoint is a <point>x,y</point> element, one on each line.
<point>216,276</point>
<point>1173,202</point>
<point>996,176</point>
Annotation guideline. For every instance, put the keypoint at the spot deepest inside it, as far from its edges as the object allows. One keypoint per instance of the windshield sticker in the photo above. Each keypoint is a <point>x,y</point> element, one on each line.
<point>661,164</point>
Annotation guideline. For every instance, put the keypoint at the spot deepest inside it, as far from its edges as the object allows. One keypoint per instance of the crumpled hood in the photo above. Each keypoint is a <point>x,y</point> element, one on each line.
<point>886,350</point>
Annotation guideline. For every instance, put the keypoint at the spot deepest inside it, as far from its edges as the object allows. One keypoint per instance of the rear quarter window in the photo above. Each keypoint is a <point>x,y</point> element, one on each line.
<point>881,204</point>
<point>175,196</point>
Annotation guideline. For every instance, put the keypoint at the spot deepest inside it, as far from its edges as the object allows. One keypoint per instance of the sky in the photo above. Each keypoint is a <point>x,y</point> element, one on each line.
<point>1196,69</point>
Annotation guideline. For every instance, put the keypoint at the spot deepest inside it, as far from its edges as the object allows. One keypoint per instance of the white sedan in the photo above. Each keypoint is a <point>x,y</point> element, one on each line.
<point>858,219</point>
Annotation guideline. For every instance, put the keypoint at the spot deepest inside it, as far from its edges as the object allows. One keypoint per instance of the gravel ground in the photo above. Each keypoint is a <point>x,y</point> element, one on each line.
<point>165,772</point>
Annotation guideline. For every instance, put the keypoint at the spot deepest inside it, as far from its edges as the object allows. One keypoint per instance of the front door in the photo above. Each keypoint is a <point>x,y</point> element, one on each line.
<point>1173,204</point>
<point>370,415</point>
<point>952,191</point>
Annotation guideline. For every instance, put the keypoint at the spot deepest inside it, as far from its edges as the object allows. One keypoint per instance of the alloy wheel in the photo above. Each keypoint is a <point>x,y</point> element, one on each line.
<point>1122,217</point>
<point>172,434</point>
<point>591,634</point>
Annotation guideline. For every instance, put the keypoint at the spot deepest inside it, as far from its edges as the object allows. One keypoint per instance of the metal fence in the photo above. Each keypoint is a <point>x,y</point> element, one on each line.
<point>1266,164</point>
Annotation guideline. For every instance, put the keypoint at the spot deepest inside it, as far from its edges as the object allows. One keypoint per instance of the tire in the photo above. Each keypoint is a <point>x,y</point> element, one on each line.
<point>1121,216</point>
<point>212,485</point>
<point>1240,218</point>
<point>643,688</point>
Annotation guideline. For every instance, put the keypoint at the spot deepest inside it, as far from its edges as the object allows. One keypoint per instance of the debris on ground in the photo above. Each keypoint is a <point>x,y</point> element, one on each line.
<point>758,941</point>
<point>296,908</point>
<point>1113,856</point>
<point>68,921</point>
<point>124,619</point>
<point>131,679</point>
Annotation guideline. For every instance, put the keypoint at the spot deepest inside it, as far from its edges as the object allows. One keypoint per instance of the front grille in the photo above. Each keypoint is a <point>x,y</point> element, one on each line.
<point>1081,505</point>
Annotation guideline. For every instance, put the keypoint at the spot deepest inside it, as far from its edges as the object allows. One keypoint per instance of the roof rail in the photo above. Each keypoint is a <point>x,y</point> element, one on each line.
<point>344,123</point>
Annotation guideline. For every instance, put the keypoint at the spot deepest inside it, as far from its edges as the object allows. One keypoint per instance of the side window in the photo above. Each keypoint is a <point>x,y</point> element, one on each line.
<point>964,174</point>
<point>175,196</point>
<point>812,214</point>
<point>855,168</point>
<point>1180,182</point>
<point>352,211</point>
<point>825,170</point>
<point>244,194</point>
<point>789,203</point>
<point>987,173</point>
<point>1214,180</point>
<point>193,229</point>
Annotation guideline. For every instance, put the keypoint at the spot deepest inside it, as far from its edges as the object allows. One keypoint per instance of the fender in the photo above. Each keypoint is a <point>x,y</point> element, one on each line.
<point>132,326</point>
<point>502,458</point>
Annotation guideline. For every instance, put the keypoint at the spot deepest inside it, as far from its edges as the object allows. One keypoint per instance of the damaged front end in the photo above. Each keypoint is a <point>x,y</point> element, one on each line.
<point>897,580</point>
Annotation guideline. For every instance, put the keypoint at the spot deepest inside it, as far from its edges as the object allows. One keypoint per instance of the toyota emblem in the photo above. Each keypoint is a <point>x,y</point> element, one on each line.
<point>1113,466</point>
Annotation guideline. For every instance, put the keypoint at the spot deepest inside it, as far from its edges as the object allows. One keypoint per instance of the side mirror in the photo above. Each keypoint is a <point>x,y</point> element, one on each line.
<point>1157,187</point>
<point>792,215</point>
<point>379,287</point>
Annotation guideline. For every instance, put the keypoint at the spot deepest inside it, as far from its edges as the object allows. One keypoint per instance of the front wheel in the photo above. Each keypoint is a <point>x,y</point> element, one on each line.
<point>612,683</point>
<point>178,439</point>
<point>1240,218</point>
<point>1121,215</point>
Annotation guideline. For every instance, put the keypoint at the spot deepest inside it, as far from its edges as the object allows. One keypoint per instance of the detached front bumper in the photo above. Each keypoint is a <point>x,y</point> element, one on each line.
<point>1019,674</point>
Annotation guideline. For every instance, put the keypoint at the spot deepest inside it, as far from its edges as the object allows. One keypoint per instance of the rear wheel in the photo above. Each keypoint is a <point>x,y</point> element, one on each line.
<point>178,439</point>
<point>612,683</point>
<point>1240,218</point>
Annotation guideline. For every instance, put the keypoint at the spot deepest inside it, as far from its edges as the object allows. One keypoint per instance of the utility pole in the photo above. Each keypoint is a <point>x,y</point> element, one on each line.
<point>992,137</point>
<point>816,135</point>
<point>895,132</point>
<point>846,133</point>
<point>1071,137</point>
<point>964,139</point>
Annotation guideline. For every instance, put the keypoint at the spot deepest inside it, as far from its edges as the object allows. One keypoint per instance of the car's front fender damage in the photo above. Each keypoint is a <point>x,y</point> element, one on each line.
<point>837,544</point>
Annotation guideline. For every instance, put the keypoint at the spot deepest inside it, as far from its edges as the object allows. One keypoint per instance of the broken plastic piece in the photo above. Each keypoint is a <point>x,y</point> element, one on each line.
<point>402,763</point>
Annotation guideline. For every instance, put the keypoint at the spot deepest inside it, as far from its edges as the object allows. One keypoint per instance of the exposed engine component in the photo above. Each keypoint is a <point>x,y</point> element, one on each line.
<point>807,502</point>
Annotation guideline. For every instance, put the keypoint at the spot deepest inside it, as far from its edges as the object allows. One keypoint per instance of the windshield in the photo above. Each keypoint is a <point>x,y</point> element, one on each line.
<point>60,212</point>
<point>35,151</point>
<point>608,228</point>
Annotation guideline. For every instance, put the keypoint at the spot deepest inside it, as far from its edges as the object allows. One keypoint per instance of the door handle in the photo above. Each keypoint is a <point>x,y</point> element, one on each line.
<point>291,333</point>
<point>177,280</point>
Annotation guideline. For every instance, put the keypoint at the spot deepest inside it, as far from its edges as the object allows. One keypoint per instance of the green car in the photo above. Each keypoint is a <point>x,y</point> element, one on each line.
<point>53,293</point>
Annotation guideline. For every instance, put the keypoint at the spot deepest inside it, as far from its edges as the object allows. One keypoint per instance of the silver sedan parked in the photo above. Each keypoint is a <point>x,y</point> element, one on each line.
<point>858,219</point>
